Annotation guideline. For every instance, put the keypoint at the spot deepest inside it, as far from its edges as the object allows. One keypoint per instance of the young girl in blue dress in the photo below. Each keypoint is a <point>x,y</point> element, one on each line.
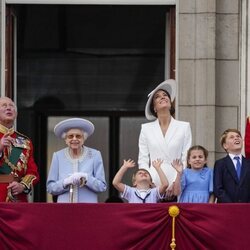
<point>194,183</point>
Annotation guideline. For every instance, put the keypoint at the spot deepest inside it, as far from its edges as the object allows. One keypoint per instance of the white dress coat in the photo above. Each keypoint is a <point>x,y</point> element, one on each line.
<point>154,145</point>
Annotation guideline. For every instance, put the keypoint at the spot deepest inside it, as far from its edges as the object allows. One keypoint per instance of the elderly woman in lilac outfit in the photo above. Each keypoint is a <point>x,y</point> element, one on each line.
<point>76,172</point>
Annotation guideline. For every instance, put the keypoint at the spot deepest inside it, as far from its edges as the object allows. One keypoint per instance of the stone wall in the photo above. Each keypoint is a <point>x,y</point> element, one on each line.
<point>208,73</point>
<point>227,69</point>
<point>197,70</point>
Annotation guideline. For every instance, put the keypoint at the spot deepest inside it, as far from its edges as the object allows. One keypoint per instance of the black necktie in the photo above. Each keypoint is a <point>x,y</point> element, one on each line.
<point>143,200</point>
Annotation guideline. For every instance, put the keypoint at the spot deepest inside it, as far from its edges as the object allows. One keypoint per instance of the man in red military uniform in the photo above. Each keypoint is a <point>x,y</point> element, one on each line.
<point>18,170</point>
<point>247,138</point>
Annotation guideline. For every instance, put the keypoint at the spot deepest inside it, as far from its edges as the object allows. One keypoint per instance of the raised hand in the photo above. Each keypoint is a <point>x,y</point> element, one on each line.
<point>157,163</point>
<point>117,181</point>
<point>129,163</point>
<point>6,141</point>
<point>177,165</point>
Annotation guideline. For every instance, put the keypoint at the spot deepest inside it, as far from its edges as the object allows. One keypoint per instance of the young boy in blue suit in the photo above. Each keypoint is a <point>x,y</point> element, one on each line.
<point>232,173</point>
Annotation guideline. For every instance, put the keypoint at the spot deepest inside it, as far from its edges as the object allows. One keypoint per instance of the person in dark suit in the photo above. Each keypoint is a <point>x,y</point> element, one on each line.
<point>232,173</point>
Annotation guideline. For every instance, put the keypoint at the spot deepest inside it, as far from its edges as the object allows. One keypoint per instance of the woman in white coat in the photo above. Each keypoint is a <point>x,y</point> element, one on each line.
<point>164,138</point>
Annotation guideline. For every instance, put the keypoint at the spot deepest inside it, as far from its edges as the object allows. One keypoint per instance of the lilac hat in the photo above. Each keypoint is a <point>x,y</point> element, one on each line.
<point>65,125</point>
<point>169,86</point>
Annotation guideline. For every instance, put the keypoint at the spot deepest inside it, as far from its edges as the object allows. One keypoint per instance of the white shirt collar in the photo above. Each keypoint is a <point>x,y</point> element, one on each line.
<point>233,155</point>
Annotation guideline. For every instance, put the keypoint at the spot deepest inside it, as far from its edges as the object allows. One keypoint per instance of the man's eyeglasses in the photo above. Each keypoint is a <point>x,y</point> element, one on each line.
<point>77,136</point>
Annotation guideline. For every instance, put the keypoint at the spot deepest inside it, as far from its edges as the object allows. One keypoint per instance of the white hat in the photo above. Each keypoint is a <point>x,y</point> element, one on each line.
<point>169,86</point>
<point>83,124</point>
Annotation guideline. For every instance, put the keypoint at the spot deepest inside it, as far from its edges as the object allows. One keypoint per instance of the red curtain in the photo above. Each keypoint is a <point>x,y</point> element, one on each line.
<point>110,226</point>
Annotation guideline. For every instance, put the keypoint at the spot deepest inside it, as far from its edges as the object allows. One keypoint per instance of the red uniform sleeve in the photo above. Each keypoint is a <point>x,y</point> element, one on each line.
<point>1,158</point>
<point>247,138</point>
<point>31,175</point>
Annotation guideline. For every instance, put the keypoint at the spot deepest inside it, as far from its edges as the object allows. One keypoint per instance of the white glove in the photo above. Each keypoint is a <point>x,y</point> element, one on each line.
<point>79,178</point>
<point>68,181</point>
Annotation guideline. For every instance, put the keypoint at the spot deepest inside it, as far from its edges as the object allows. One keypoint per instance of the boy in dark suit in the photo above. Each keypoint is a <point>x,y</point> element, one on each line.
<point>232,173</point>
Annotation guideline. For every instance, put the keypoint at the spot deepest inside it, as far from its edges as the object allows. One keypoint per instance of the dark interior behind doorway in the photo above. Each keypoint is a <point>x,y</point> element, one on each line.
<point>86,60</point>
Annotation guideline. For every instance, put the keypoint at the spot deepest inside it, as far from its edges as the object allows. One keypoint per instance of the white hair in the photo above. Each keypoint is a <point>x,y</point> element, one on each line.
<point>6,97</point>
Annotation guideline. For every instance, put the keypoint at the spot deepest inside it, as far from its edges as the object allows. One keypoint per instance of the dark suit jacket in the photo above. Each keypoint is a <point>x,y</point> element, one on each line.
<point>227,186</point>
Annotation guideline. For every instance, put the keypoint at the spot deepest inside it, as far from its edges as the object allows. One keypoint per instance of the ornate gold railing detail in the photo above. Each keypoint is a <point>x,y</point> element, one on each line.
<point>173,212</point>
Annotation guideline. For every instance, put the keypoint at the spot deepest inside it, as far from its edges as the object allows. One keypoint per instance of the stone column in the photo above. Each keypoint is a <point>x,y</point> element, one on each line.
<point>196,70</point>
<point>228,98</point>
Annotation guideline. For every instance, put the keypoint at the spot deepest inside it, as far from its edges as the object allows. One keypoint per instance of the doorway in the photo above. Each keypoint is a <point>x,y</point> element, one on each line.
<point>97,62</point>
